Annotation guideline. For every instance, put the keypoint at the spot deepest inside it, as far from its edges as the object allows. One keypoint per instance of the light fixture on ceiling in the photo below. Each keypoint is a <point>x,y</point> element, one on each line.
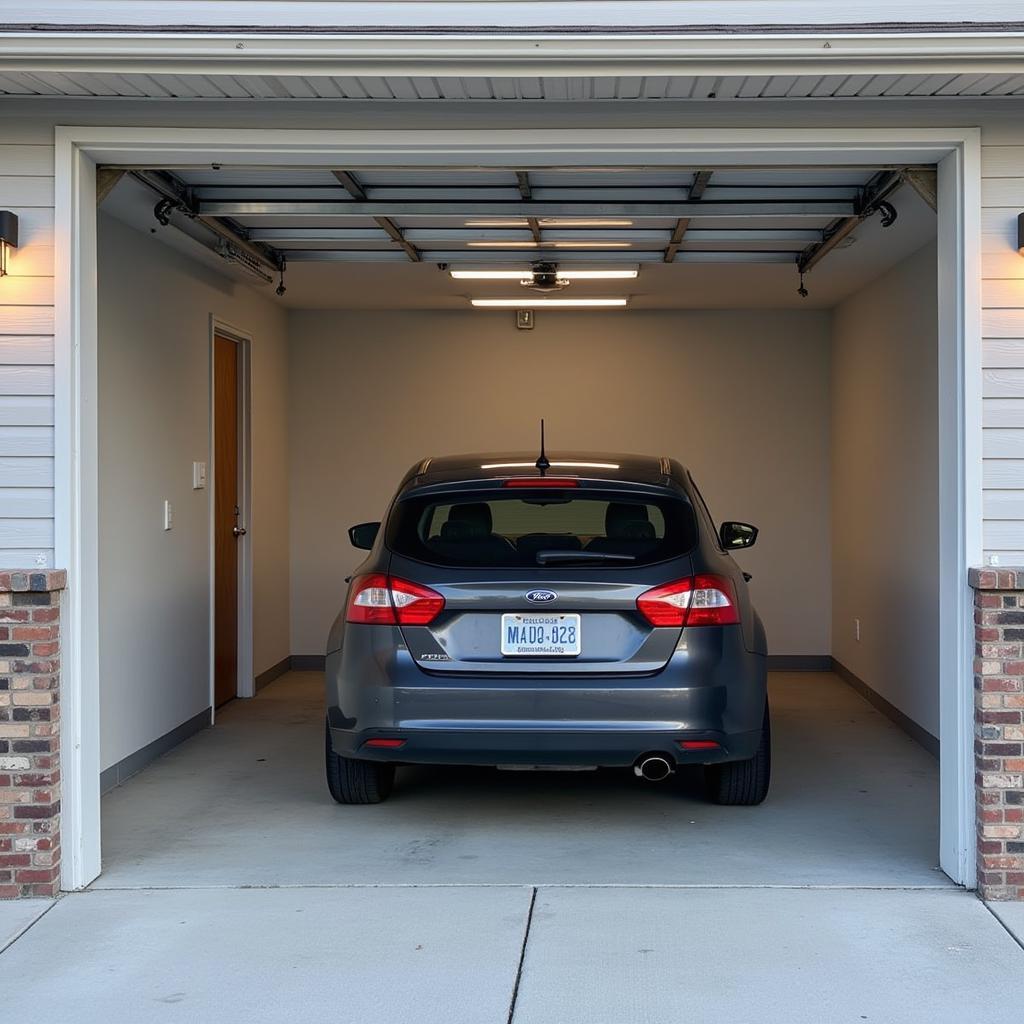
<point>505,222</point>
<point>498,243</point>
<point>604,274</point>
<point>518,302</point>
<point>8,237</point>
<point>555,464</point>
<point>583,222</point>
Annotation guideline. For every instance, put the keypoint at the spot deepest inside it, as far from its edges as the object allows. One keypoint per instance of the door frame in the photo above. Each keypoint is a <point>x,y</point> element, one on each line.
<point>246,685</point>
<point>956,150</point>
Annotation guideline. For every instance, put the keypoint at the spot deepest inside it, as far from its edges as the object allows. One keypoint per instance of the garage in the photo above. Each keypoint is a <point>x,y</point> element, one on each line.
<point>278,341</point>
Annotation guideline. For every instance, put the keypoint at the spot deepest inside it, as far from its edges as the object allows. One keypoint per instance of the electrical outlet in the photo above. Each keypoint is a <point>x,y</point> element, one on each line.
<point>168,515</point>
<point>856,630</point>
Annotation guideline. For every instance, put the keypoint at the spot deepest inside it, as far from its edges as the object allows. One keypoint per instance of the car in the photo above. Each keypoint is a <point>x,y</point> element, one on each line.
<point>571,611</point>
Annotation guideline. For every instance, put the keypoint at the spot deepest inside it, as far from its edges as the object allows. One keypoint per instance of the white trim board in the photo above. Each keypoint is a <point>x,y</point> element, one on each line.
<point>957,150</point>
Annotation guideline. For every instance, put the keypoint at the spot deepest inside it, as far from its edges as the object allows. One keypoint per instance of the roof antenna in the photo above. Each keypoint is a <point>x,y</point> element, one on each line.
<point>542,463</point>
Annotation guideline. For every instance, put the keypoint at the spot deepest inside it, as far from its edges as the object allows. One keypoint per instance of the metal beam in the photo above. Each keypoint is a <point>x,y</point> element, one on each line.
<point>351,184</point>
<point>171,187</point>
<point>533,208</point>
<point>700,182</point>
<point>877,189</point>
<point>520,257</point>
<point>676,239</point>
<point>288,236</point>
<point>523,180</point>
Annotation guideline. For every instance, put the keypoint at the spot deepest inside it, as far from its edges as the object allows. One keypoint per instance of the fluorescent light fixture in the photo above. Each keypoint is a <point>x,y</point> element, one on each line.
<point>560,465</point>
<point>567,275</point>
<point>576,222</point>
<point>497,244</point>
<point>589,245</point>
<point>528,302</point>
<point>507,222</point>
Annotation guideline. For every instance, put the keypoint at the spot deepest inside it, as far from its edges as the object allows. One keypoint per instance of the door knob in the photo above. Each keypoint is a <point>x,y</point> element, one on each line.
<point>238,531</point>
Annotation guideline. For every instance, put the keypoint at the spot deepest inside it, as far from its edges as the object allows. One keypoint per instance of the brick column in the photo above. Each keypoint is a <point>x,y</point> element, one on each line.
<point>999,730</point>
<point>30,733</point>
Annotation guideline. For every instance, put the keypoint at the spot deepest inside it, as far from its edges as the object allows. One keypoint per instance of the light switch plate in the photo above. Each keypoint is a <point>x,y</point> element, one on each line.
<point>198,476</point>
<point>168,515</point>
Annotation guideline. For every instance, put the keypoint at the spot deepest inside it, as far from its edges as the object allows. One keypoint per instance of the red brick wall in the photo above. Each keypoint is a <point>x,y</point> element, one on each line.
<point>999,730</point>
<point>30,733</point>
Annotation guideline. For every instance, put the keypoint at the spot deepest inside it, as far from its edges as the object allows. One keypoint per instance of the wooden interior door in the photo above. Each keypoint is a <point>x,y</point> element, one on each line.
<point>227,527</point>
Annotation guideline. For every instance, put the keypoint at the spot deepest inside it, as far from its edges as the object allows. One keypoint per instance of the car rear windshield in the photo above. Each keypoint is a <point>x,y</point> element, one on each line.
<point>544,527</point>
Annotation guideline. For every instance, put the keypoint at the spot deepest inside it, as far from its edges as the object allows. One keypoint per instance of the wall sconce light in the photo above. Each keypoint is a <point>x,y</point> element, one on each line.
<point>8,237</point>
<point>1020,234</point>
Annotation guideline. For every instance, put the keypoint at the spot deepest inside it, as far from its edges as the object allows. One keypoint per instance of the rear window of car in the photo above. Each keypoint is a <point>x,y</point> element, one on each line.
<point>531,528</point>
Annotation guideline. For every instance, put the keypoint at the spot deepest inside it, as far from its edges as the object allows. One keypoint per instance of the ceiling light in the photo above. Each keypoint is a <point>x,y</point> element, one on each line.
<point>569,275</point>
<point>496,244</point>
<point>590,245</point>
<point>508,222</point>
<point>519,302</point>
<point>582,222</point>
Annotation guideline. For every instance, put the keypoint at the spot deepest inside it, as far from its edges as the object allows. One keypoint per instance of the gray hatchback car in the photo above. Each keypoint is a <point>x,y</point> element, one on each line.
<point>572,611</point>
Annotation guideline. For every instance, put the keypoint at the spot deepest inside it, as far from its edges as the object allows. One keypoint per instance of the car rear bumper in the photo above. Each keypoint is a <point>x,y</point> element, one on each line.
<point>540,748</point>
<point>712,688</point>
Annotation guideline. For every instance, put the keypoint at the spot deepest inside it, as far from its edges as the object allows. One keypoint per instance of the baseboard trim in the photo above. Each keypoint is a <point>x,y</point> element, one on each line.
<point>893,713</point>
<point>308,662</point>
<point>134,763</point>
<point>272,673</point>
<point>799,663</point>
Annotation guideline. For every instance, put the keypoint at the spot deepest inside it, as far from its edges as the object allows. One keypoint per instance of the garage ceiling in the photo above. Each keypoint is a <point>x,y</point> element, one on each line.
<point>702,237</point>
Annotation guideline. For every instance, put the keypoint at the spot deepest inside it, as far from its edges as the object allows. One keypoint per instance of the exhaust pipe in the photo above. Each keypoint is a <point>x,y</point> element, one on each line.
<point>653,768</point>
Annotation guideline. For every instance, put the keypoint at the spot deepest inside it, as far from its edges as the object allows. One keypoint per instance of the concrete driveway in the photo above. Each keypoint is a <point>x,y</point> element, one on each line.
<point>501,954</point>
<point>234,890</point>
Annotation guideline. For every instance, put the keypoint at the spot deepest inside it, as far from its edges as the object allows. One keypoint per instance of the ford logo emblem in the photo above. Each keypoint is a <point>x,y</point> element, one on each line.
<point>541,596</point>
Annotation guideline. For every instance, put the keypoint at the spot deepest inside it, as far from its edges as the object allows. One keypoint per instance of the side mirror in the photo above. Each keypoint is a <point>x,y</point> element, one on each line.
<point>737,535</point>
<point>363,535</point>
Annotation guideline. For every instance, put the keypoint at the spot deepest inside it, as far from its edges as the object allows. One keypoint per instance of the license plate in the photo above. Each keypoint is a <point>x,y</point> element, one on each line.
<point>540,635</point>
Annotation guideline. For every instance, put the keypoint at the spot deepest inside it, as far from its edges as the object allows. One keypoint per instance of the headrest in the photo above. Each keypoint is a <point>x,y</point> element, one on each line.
<point>477,513</point>
<point>626,520</point>
<point>467,522</point>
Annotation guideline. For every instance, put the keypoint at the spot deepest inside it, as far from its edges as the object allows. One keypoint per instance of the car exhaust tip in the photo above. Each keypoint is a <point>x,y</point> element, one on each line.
<point>653,768</point>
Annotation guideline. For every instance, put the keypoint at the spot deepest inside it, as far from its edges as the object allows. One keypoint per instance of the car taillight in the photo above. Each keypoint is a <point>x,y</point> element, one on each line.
<point>382,600</point>
<point>702,600</point>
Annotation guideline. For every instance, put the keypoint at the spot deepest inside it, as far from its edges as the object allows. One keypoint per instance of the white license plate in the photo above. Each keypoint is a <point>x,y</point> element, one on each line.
<point>540,635</point>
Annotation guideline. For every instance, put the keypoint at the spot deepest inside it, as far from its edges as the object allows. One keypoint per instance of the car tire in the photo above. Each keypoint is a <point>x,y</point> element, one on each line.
<point>356,782</point>
<point>743,783</point>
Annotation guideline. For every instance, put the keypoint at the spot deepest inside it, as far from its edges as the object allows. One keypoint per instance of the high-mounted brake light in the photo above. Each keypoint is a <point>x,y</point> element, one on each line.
<point>702,600</point>
<point>382,600</point>
<point>542,481</point>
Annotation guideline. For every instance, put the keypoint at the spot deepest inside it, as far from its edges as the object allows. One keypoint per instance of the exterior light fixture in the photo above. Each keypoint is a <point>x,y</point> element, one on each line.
<point>1020,234</point>
<point>8,237</point>
<point>519,302</point>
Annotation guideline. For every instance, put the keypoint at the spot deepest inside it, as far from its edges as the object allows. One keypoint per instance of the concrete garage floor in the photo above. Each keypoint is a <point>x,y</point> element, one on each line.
<point>487,898</point>
<point>854,802</point>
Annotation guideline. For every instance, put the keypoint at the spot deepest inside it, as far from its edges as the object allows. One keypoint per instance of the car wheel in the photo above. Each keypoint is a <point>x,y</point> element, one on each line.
<point>357,782</point>
<point>743,783</point>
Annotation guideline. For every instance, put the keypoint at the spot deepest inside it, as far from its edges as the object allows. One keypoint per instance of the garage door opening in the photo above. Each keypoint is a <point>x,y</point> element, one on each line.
<point>807,404</point>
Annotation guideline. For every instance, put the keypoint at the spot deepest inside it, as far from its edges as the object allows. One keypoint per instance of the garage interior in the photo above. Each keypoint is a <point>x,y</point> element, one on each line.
<point>804,403</point>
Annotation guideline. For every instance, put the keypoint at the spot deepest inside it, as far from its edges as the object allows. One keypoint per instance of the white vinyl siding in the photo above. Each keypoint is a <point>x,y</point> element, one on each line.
<point>26,354</point>
<point>1003,352</point>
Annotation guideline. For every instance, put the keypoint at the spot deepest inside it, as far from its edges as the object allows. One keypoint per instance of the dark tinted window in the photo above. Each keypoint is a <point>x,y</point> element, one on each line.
<point>530,528</point>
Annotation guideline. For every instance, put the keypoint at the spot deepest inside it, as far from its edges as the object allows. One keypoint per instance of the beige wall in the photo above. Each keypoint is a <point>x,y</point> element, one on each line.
<point>885,486</point>
<point>742,398</point>
<point>154,421</point>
